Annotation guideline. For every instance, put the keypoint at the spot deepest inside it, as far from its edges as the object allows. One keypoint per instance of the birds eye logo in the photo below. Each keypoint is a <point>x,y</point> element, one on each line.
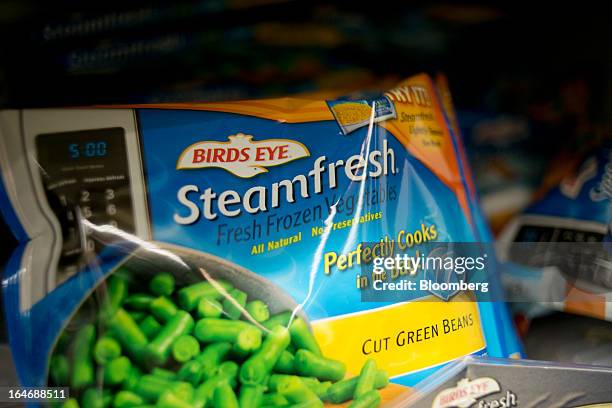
<point>466,393</point>
<point>241,155</point>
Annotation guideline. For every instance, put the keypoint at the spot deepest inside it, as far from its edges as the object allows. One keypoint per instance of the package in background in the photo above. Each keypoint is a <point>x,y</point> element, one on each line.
<point>558,250</point>
<point>504,383</point>
<point>570,338</point>
<point>166,249</point>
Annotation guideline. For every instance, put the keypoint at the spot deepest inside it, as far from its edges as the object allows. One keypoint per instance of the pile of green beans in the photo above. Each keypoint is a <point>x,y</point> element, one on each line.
<point>197,346</point>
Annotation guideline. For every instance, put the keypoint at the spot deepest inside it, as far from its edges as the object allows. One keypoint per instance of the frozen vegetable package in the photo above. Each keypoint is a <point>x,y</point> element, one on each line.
<point>558,251</point>
<point>215,254</point>
<point>505,383</point>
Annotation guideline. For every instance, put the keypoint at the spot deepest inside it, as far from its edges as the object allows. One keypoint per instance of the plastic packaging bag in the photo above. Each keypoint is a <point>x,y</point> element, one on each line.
<point>558,251</point>
<point>162,245</point>
<point>503,383</point>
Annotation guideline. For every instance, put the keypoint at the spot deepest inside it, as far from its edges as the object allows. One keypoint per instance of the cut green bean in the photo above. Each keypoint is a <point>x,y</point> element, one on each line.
<point>281,319</point>
<point>138,301</point>
<point>70,403</point>
<point>308,404</point>
<point>82,374</point>
<point>128,333</point>
<point>96,398</point>
<point>233,306</point>
<point>117,289</point>
<point>343,390</point>
<point>213,330</point>
<point>309,364</point>
<point>225,397</point>
<point>183,390</point>
<point>163,373</point>
<point>294,389</point>
<point>276,379</point>
<point>274,399</point>
<point>237,354</point>
<point>301,336</point>
<point>248,340</point>
<point>116,292</point>
<point>190,372</point>
<point>211,357</point>
<point>106,349</point>
<point>200,396</point>
<point>170,400</point>
<point>370,399</point>
<point>127,399</point>
<point>260,364</point>
<point>163,308</point>
<point>92,398</point>
<point>185,348</point>
<point>131,381</point>
<point>229,370</point>
<point>189,296</point>
<point>162,284</point>
<point>321,388</point>
<point>251,396</point>
<point>258,310</point>
<point>137,315</point>
<point>205,392</point>
<point>199,399</point>
<point>208,307</point>
<point>159,348</point>
<point>117,370</point>
<point>59,369</point>
<point>367,378</point>
<point>285,363</point>
<point>150,327</point>
<point>150,387</point>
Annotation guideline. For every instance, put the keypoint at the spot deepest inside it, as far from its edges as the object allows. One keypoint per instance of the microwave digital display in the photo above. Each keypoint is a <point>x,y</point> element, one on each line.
<point>85,176</point>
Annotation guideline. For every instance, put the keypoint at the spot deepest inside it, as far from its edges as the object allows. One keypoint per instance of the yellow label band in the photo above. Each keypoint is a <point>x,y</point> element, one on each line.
<point>404,337</point>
